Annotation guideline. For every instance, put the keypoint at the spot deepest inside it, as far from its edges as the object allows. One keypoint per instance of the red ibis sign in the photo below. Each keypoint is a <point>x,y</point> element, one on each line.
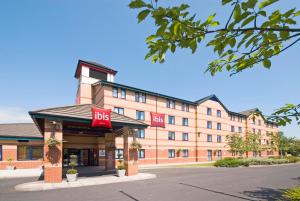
<point>101,118</point>
<point>157,120</point>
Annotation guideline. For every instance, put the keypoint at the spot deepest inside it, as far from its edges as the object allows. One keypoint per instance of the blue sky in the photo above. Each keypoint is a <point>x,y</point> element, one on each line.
<point>41,42</point>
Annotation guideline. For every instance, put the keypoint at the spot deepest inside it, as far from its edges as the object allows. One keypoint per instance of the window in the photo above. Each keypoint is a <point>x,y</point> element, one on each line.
<point>137,96</point>
<point>232,118</point>
<point>119,154</point>
<point>253,121</point>
<point>0,152</point>
<point>171,104</point>
<point>29,152</point>
<point>185,153</point>
<point>140,115</point>
<point>253,130</point>
<point>240,130</point>
<point>208,111</point>
<point>209,155</point>
<point>171,153</point>
<point>209,138</point>
<point>185,107</point>
<point>259,122</point>
<point>219,127</point>
<point>219,138</point>
<point>185,121</point>
<point>143,98</point>
<point>115,92</point>
<point>232,129</point>
<point>141,153</point>
<point>171,135</point>
<point>185,137</point>
<point>219,154</point>
<point>171,120</point>
<point>209,124</point>
<point>123,93</point>
<point>119,110</point>
<point>141,133</point>
<point>259,131</point>
<point>219,114</point>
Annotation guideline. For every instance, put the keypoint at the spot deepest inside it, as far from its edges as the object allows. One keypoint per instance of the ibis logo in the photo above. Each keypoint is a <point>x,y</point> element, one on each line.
<point>101,118</point>
<point>157,120</point>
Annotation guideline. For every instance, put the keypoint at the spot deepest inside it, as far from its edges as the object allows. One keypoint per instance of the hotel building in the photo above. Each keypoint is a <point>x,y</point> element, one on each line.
<point>195,131</point>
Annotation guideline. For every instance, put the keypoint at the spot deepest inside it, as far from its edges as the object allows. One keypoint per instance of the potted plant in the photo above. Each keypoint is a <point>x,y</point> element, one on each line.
<point>121,169</point>
<point>10,165</point>
<point>72,173</point>
<point>52,141</point>
<point>178,152</point>
<point>135,145</point>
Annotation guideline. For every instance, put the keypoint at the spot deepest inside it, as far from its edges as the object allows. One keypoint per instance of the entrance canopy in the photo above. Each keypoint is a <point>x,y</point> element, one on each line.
<point>79,117</point>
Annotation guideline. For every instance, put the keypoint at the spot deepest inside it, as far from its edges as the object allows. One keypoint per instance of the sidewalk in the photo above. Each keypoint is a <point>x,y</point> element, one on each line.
<point>19,173</point>
<point>90,181</point>
<point>171,165</point>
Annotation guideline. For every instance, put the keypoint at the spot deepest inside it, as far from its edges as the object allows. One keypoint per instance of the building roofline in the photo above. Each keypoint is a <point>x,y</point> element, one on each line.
<point>94,66</point>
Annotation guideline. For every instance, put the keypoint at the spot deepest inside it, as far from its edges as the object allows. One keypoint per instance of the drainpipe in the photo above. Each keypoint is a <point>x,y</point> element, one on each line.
<point>156,141</point>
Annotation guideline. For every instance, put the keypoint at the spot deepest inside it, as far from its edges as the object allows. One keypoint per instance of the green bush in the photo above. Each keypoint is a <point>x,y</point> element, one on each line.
<point>293,159</point>
<point>230,162</point>
<point>72,171</point>
<point>262,161</point>
<point>292,194</point>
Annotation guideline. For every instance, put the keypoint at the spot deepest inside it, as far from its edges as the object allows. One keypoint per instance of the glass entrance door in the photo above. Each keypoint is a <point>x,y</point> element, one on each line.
<point>83,158</point>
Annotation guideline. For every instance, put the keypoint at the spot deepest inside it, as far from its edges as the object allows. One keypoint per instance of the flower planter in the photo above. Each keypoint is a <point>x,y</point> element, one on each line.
<point>72,177</point>
<point>10,167</point>
<point>121,173</point>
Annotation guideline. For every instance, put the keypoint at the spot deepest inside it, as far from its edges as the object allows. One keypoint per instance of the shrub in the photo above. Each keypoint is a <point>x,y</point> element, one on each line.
<point>293,159</point>
<point>230,162</point>
<point>72,171</point>
<point>292,194</point>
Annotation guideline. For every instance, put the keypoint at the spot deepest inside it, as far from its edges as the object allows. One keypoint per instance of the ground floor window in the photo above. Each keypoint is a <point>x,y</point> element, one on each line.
<point>119,153</point>
<point>209,155</point>
<point>171,153</point>
<point>0,152</point>
<point>185,153</point>
<point>29,152</point>
<point>219,155</point>
<point>141,153</point>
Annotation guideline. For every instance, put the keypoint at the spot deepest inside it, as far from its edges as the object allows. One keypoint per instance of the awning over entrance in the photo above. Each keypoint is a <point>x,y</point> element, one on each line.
<point>82,114</point>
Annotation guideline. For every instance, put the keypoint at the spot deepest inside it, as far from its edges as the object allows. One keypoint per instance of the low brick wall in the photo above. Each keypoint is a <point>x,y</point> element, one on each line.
<point>22,164</point>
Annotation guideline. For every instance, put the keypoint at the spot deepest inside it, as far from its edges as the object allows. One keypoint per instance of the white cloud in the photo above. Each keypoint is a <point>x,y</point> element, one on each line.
<point>14,115</point>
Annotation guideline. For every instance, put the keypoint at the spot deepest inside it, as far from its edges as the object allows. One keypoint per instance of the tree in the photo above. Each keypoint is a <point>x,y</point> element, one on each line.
<point>253,143</point>
<point>252,34</point>
<point>281,143</point>
<point>235,143</point>
<point>295,148</point>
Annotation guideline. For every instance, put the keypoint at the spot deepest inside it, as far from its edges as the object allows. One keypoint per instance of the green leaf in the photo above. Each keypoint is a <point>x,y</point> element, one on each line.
<point>262,13</point>
<point>137,4</point>
<point>232,42</point>
<point>267,63</point>
<point>284,34</point>
<point>150,38</point>
<point>297,14</point>
<point>266,3</point>
<point>237,12</point>
<point>226,1</point>
<point>251,3</point>
<point>142,15</point>
<point>248,20</point>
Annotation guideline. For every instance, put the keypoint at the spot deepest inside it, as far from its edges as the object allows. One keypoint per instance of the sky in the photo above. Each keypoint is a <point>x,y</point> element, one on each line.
<point>42,41</point>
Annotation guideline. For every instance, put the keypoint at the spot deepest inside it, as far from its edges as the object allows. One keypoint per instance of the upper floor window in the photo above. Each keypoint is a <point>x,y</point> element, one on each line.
<point>240,130</point>
<point>115,92</point>
<point>219,138</point>
<point>253,121</point>
<point>240,119</point>
<point>140,115</point>
<point>185,121</point>
<point>232,129</point>
<point>171,135</point>
<point>141,153</point>
<point>219,114</point>
<point>185,137</point>
<point>171,104</point>
<point>253,130</point>
<point>219,126</point>
<point>185,107</point>
<point>259,131</point>
<point>185,153</point>
<point>208,111</point>
<point>140,97</point>
<point>171,120</point>
<point>209,124</point>
<point>119,110</point>
<point>141,133</point>
<point>232,117</point>
<point>209,138</point>
<point>123,93</point>
<point>259,122</point>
